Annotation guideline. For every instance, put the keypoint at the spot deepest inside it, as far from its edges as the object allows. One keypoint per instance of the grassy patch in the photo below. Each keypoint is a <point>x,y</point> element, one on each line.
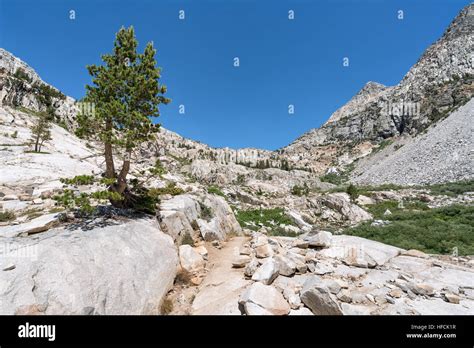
<point>377,210</point>
<point>170,188</point>
<point>215,190</point>
<point>300,190</point>
<point>436,231</point>
<point>263,217</point>
<point>382,145</point>
<point>187,240</point>
<point>452,188</point>
<point>7,216</point>
<point>166,306</point>
<point>79,180</point>
<point>338,178</point>
<point>206,212</point>
<point>281,232</point>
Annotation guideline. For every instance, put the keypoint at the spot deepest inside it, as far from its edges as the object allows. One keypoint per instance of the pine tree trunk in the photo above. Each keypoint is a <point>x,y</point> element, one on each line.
<point>37,143</point>
<point>122,178</point>
<point>109,158</point>
<point>109,161</point>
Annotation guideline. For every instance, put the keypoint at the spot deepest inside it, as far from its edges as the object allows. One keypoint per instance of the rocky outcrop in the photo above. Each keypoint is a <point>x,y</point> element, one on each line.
<point>113,268</point>
<point>443,154</point>
<point>21,86</point>
<point>340,202</point>
<point>206,216</point>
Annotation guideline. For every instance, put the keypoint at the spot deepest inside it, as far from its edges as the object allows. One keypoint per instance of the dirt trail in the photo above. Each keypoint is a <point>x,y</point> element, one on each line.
<point>221,288</point>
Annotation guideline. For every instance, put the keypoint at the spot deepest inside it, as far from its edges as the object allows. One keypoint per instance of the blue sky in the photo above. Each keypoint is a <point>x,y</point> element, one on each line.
<point>282,61</point>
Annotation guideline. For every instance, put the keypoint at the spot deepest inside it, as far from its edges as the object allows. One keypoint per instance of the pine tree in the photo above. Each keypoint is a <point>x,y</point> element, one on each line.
<point>40,131</point>
<point>125,93</point>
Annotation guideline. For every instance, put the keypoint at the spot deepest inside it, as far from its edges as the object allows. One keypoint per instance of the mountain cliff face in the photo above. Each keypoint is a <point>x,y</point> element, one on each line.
<point>440,81</point>
<point>22,87</point>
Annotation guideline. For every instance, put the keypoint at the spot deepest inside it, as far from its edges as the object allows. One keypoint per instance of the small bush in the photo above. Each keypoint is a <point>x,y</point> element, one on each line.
<point>7,216</point>
<point>352,191</point>
<point>265,217</point>
<point>439,231</point>
<point>166,306</point>
<point>452,188</point>
<point>215,190</point>
<point>183,278</point>
<point>170,189</point>
<point>187,240</point>
<point>15,134</point>
<point>79,180</point>
<point>206,212</point>
<point>281,232</point>
<point>300,190</point>
<point>195,225</point>
<point>157,169</point>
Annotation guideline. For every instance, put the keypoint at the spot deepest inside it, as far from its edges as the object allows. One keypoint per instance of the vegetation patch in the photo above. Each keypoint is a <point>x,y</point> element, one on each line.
<point>170,189</point>
<point>452,188</point>
<point>215,190</point>
<point>255,218</point>
<point>79,180</point>
<point>445,230</point>
<point>206,212</point>
<point>300,190</point>
<point>7,216</point>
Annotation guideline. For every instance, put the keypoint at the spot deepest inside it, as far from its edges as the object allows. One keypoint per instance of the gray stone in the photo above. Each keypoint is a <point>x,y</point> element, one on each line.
<point>263,299</point>
<point>316,296</point>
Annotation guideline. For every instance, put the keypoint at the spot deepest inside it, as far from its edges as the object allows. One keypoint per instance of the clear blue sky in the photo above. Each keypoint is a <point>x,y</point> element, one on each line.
<point>282,61</point>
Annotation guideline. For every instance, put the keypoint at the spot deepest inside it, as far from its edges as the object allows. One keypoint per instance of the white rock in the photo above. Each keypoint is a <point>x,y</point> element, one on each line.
<point>124,268</point>
<point>39,224</point>
<point>240,261</point>
<point>191,261</point>
<point>316,296</point>
<point>301,311</point>
<point>251,267</point>
<point>321,239</point>
<point>267,272</point>
<point>264,251</point>
<point>286,266</point>
<point>263,299</point>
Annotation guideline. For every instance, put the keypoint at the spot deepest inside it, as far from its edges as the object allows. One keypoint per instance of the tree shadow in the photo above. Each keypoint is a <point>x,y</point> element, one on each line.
<point>105,216</point>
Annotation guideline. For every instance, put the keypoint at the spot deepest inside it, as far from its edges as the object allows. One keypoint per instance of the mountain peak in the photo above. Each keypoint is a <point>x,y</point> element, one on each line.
<point>463,24</point>
<point>370,90</point>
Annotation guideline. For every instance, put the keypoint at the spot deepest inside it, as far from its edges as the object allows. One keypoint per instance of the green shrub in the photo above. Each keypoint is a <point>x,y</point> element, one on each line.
<point>382,145</point>
<point>81,201</point>
<point>22,75</point>
<point>265,217</point>
<point>157,169</point>
<point>206,212</point>
<point>7,215</point>
<point>187,240</point>
<point>281,232</point>
<point>452,188</point>
<point>352,191</point>
<point>79,180</point>
<point>215,190</point>
<point>437,231</point>
<point>170,189</point>
<point>332,178</point>
<point>300,190</point>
